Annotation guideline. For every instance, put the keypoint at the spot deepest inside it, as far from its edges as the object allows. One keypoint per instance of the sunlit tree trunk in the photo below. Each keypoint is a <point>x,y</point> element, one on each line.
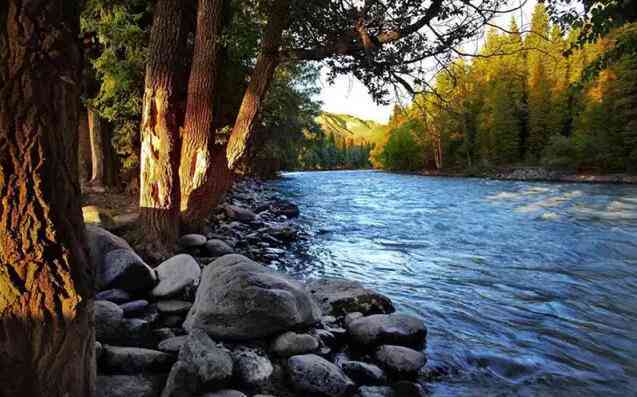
<point>96,135</point>
<point>159,181</point>
<point>243,131</point>
<point>47,339</point>
<point>198,170</point>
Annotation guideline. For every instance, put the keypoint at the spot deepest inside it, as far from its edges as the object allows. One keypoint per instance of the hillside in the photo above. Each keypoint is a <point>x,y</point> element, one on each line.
<point>345,126</point>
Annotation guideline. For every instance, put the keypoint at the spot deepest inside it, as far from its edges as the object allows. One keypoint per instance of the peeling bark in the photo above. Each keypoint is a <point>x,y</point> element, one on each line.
<point>198,168</point>
<point>47,339</point>
<point>243,131</point>
<point>159,180</point>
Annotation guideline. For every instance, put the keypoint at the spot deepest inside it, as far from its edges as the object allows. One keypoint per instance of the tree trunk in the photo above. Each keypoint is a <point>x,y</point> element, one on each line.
<point>84,148</point>
<point>47,340</point>
<point>267,61</point>
<point>159,180</point>
<point>196,171</point>
<point>97,150</point>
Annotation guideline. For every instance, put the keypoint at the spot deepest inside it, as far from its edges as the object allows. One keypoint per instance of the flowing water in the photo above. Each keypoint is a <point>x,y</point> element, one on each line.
<point>527,288</point>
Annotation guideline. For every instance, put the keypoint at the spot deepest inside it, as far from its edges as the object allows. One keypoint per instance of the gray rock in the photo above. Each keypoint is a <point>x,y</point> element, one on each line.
<point>100,242</point>
<point>122,268</point>
<point>284,207</point>
<point>339,297</point>
<point>172,345</point>
<point>238,299</point>
<point>108,321</point>
<point>251,368</point>
<point>132,360</point>
<point>161,334</point>
<point>376,391</point>
<point>172,321</point>
<point>129,385</point>
<point>175,274</point>
<point>400,360</point>
<point>191,240</point>
<point>217,248</point>
<point>133,308</point>
<point>240,214</point>
<point>113,295</point>
<point>99,349</point>
<point>225,393</point>
<point>392,329</point>
<point>212,365</point>
<point>364,373</point>
<point>181,382</point>
<point>135,332</point>
<point>173,307</point>
<point>292,344</point>
<point>315,375</point>
<point>408,389</point>
<point>349,317</point>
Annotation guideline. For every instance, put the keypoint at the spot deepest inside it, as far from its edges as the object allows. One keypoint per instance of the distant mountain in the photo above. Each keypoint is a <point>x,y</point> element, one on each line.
<point>346,126</point>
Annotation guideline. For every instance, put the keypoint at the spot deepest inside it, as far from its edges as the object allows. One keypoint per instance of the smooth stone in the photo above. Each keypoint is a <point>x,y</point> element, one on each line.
<point>339,297</point>
<point>391,329</point>
<point>172,345</point>
<point>408,389</point>
<point>292,344</point>
<point>284,207</point>
<point>400,360</point>
<point>251,368</point>
<point>100,242</point>
<point>217,248</point>
<point>133,308</point>
<point>99,349</point>
<point>175,274</point>
<point>239,213</point>
<point>135,332</point>
<point>161,334</point>
<point>364,373</point>
<point>349,317</point>
<point>132,360</point>
<point>149,313</point>
<point>108,321</point>
<point>312,374</point>
<point>191,240</point>
<point>239,299</point>
<point>129,385</point>
<point>114,295</point>
<point>173,307</point>
<point>376,391</point>
<point>124,269</point>
<point>212,365</point>
<point>225,393</point>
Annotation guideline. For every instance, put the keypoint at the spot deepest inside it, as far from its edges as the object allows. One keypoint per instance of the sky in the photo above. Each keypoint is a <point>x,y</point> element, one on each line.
<point>348,95</point>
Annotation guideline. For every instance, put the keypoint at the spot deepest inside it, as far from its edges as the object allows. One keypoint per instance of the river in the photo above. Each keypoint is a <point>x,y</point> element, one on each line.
<point>527,288</point>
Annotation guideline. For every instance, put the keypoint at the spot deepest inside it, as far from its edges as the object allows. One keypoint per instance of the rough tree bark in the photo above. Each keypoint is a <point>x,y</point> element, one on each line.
<point>159,180</point>
<point>198,170</point>
<point>47,343</point>
<point>243,131</point>
<point>96,137</point>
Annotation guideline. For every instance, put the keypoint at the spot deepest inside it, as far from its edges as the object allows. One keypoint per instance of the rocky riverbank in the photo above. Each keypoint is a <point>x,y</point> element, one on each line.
<point>213,320</point>
<point>539,174</point>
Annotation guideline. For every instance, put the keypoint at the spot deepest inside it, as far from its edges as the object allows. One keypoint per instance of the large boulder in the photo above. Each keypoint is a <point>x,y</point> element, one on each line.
<point>364,373</point>
<point>315,375</point>
<point>191,240</point>
<point>400,360</point>
<point>129,385</point>
<point>339,297</point>
<point>392,329</point>
<point>122,268</point>
<point>175,274</point>
<point>100,242</point>
<point>132,360</point>
<point>239,299</point>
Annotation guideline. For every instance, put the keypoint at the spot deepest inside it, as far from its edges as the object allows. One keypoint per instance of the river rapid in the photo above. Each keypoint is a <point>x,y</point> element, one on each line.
<point>527,288</point>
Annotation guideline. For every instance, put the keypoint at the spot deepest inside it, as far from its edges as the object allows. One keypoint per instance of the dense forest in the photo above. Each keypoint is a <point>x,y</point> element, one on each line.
<point>536,97</point>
